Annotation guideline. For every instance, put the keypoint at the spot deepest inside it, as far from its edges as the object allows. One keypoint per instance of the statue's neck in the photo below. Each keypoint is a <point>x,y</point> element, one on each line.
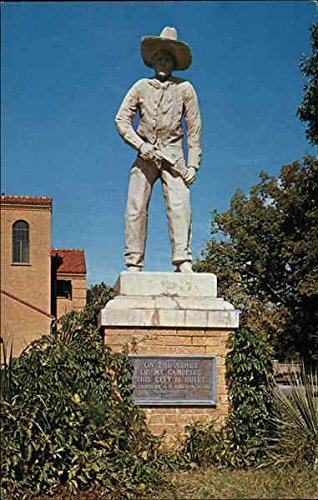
<point>162,79</point>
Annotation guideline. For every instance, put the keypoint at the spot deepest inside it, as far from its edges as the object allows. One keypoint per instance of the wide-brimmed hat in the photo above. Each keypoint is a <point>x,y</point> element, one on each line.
<point>166,41</point>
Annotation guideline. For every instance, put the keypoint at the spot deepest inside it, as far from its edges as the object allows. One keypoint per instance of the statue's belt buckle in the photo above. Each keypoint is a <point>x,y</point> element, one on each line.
<point>158,164</point>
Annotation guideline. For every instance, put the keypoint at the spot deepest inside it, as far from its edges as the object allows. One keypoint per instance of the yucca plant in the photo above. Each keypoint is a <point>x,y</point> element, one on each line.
<point>6,369</point>
<point>295,423</point>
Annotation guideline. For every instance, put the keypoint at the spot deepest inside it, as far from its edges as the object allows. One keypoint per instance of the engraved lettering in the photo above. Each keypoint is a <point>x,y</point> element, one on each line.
<point>174,380</point>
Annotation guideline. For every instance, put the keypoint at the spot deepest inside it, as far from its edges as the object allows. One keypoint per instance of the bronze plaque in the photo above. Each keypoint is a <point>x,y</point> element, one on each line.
<point>174,380</point>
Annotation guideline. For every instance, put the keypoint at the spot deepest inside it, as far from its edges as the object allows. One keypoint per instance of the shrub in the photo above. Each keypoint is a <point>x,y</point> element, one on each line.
<point>69,418</point>
<point>242,440</point>
<point>250,383</point>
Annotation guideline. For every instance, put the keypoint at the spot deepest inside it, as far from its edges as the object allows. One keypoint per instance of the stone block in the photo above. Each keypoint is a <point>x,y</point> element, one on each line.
<point>122,312</point>
<point>161,350</point>
<point>156,419</point>
<point>149,284</point>
<point>169,340</point>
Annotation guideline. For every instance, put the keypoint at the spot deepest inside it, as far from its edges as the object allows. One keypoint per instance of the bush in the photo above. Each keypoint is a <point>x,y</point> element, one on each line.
<point>68,418</point>
<point>241,442</point>
<point>250,383</point>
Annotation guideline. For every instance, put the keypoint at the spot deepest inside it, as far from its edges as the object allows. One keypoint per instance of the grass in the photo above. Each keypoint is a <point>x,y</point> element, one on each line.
<point>211,483</point>
<point>214,483</point>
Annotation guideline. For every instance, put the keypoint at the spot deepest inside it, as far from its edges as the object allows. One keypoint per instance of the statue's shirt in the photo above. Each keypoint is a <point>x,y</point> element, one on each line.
<point>162,107</point>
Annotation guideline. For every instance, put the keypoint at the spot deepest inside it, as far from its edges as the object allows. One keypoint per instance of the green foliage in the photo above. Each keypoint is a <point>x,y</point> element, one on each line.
<point>250,383</point>
<point>69,418</point>
<point>308,111</point>
<point>241,442</point>
<point>97,297</point>
<point>264,250</point>
<point>205,445</point>
<point>72,324</point>
<point>295,422</point>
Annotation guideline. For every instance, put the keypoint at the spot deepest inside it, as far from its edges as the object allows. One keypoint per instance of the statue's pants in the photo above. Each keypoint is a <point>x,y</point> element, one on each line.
<point>143,175</point>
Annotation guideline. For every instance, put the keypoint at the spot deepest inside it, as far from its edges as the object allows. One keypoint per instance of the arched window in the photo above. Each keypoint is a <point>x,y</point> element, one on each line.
<point>20,242</point>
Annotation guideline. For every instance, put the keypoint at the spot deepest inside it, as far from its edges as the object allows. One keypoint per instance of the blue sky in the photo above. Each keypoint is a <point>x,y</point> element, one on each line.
<point>65,70</point>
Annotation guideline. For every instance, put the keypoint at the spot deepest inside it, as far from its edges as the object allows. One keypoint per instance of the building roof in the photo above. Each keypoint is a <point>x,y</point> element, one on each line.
<point>26,200</point>
<point>69,261</point>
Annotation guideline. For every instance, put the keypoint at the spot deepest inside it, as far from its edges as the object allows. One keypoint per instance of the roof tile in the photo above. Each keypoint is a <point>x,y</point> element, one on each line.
<point>69,261</point>
<point>26,200</point>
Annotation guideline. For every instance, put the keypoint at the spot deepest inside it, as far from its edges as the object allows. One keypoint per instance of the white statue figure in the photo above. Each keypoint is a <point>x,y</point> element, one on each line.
<point>162,102</point>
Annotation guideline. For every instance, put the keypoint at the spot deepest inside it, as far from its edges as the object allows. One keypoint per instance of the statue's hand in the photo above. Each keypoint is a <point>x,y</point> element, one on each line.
<point>189,177</point>
<point>147,151</point>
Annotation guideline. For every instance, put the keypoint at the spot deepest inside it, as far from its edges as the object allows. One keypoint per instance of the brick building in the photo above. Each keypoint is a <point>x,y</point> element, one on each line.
<point>38,283</point>
<point>68,281</point>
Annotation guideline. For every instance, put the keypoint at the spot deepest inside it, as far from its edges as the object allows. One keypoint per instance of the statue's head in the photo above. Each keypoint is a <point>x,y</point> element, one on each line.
<point>163,62</point>
<point>167,43</point>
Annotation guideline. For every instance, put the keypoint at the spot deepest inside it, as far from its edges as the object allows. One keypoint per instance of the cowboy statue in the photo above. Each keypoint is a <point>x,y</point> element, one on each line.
<point>162,101</point>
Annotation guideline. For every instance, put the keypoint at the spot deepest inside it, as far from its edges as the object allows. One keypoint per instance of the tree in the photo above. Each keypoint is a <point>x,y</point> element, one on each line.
<point>308,111</point>
<point>264,250</point>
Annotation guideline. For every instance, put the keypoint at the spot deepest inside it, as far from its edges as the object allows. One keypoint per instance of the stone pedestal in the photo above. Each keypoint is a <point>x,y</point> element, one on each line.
<point>176,322</point>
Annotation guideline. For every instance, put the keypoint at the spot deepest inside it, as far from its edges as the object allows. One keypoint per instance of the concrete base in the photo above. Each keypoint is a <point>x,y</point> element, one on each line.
<point>172,314</point>
<point>147,284</point>
<point>168,300</point>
